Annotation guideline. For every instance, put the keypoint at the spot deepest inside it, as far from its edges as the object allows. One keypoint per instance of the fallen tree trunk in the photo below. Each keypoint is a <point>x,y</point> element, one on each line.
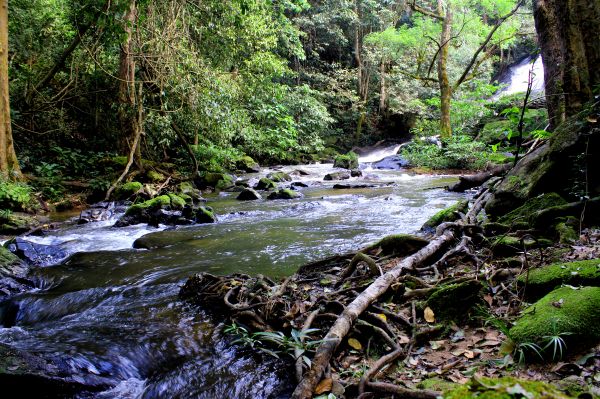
<point>476,180</point>
<point>345,321</point>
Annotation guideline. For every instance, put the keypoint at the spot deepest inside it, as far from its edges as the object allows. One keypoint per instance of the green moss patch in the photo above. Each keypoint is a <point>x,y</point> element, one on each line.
<point>545,279</point>
<point>527,212</point>
<point>219,181</point>
<point>279,177</point>
<point>177,202</point>
<point>284,194</point>
<point>154,203</point>
<point>128,190</point>
<point>265,184</point>
<point>504,388</point>
<point>205,215</point>
<point>450,214</point>
<point>347,161</point>
<point>572,314</point>
<point>455,301</point>
<point>398,244</point>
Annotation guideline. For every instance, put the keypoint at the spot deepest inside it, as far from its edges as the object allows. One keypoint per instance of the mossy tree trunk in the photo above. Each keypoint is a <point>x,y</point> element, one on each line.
<point>9,165</point>
<point>442,67</point>
<point>569,35</point>
<point>130,97</point>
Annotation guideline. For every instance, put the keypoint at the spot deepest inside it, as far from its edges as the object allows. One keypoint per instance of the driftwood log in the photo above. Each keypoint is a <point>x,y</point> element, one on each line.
<point>470,181</point>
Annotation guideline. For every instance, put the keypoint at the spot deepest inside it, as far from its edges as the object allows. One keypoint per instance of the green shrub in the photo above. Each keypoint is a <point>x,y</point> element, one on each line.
<point>14,196</point>
<point>457,152</point>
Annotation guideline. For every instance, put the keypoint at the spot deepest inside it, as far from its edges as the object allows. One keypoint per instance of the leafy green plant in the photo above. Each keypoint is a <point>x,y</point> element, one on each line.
<point>275,343</point>
<point>457,152</point>
<point>556,342</point>
<point>14,196</point>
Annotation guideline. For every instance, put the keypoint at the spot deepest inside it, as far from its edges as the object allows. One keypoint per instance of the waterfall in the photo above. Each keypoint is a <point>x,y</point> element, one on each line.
<point>379,154</point>
<point>519,75</point>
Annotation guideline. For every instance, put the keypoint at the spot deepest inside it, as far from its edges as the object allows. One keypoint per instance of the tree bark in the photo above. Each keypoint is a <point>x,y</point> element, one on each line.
<point>9,165</point>
<point>569,36</point>
<point>442,67</point>
<point>129,115</point>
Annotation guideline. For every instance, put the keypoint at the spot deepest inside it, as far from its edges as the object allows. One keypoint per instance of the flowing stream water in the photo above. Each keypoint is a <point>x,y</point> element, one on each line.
<point>113,311</point>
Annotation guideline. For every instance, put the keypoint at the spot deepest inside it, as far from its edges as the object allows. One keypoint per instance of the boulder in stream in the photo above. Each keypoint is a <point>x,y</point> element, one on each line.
<point>337,176</point>
<point>13,275</point>
<point>168,209</point>
<point>247,164</point>
<point>249,194</point>
<point>347,161</point>
<point>36,254</point>
<point>265,184</point>
<point>279,177</point>
<point>34,376</point>
<point>284,194</point>
<point>98,212</point>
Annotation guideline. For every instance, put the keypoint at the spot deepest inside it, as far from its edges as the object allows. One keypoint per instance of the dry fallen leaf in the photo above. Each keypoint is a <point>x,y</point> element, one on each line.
<point>429,315</point>
<point>354,343</point>
<point>381,316</point>
<point>324,386</point>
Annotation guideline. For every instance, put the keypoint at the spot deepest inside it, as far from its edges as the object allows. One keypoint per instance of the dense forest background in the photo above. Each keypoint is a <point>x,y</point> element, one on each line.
<point>281,81</point>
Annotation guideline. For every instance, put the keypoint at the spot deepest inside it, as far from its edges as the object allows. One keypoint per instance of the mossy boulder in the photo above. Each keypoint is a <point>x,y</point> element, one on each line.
<point>247,164</point>
<point>505,245</point>
<point>13,272</point>
<point>204,214</point>
<point>154,176</point>
<point>186,189</point>
<point>152,204</point>
<point>128,190</point>
<point>450,214</point>
<point>177,202</point>
<point>219,181</point>
<point>284,194</point>
<point>455,301</point>
<point>265,184</point>
<point>527,212</point>
<point>504,388</point>
<point>17,223</point>
<point>555,166</point>
<point>398,245</point>
<point>337,176</point>
<point>566,233</point>
<point>249,194</point>
<point>569,313</point>
<point>279,177</point>
<point>544,279</point>
<point>347,161</point>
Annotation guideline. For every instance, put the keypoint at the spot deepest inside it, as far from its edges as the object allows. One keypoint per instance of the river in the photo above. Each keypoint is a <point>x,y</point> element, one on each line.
<point>113,311</point>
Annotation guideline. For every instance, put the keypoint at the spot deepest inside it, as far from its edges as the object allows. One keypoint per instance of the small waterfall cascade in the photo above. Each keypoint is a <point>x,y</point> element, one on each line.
<point>379,154</point>
<point>518,77</point>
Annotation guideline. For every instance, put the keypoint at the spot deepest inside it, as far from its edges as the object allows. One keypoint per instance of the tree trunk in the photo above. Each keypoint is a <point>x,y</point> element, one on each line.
<point>569,35</point>
<point>382,88</point>
<point>9,165</point>
<point>442,67</point>
<point>129,114</point>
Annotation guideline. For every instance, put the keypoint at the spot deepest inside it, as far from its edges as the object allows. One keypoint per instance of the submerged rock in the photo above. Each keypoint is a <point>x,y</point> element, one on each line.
<point>36,254</point>
<point>249,194</point>
<point>569,313</point>
<point>284,194</point>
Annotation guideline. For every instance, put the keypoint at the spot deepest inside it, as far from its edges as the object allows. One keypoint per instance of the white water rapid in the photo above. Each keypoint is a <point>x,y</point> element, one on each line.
<point>379,154</point>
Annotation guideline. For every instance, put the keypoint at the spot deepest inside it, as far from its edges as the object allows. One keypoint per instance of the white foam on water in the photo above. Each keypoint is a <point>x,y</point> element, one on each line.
<point>379,154</point>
